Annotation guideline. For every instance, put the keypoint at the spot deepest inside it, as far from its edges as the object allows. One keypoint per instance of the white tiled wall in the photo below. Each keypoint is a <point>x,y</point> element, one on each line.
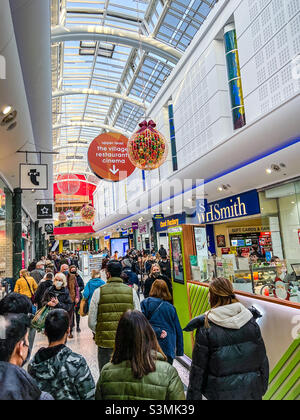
<point>268,40</point>
<point>202,106</point>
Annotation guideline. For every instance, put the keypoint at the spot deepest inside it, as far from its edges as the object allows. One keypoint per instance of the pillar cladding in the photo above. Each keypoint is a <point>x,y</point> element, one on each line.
<point>41,253</point>
<point>37,240</point>
<point>234,77</point>
<point>17,232</point>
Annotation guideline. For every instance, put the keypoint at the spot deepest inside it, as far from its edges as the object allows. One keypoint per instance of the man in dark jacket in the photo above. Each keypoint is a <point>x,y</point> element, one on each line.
<point>162,252</point>
<point>39,272</point>
<point>229,358</point>
<point>57,369</point>
<point>16,384</point>
<point>165,267</point>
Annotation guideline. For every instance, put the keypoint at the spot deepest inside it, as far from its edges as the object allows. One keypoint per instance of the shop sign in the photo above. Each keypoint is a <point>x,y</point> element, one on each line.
<point>235,207</point>
<point>124,233</point>
<point>135,226</point>
<point>143,229</point>
<point>108,157</point>
<point>33,177</point>
<point>49,228</point>
<point>44,211</point>
<point>172,221</point>
<point>226,251</point>
<point>107,238</point>
<point>158,216</point>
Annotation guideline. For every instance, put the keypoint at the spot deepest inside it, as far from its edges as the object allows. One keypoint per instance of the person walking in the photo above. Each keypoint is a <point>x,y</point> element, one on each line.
<point>155,274</point>
<point>108,304</point>
<point>162,315</point>
<point>56,369</point>
<point>94,284</point>
<point>58,296</point>
<point>16,383</point>
<point>45,284</point>
<point>80,284</point>
<point>162,252</point>
<point>165,267</point>
<point>26,285</point>
<point>139,368</point>
<point>39,272</point>
<point>229,358</point>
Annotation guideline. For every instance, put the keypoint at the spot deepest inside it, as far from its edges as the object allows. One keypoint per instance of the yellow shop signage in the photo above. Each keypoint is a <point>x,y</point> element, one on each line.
<point>235,207</point>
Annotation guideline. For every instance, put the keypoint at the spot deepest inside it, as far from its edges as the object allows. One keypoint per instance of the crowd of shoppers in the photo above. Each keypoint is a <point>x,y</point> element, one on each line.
<point>137,335</point>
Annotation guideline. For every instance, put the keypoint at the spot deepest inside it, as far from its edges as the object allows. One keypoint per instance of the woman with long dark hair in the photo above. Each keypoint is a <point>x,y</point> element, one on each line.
<point>229,358</point>
<point>139,368</point>
<point>162,315</point>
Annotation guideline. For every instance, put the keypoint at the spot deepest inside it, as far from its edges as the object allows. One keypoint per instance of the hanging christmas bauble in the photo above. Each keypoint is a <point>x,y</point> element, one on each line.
<point>87,214</point>
<point>68,184</point>
<point>62,217</point>
<point>147,148</point>
<point>70,214</point>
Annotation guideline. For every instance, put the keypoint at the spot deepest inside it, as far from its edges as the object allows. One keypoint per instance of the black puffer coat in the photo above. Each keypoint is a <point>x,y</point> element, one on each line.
<point>229,359</point>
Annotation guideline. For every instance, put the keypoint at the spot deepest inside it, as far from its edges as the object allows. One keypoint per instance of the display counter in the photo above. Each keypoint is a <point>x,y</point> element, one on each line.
<point>280,322</point>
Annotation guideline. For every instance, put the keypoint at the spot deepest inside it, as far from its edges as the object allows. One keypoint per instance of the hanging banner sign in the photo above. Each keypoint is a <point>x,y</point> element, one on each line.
<point>49,228</point>
<point>33,177</point>
<point>44,211</point>
<point>108,157</point>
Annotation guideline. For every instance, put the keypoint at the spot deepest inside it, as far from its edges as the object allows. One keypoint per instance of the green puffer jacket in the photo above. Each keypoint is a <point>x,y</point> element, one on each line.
<point>117,383</point>
<point>115,299</point>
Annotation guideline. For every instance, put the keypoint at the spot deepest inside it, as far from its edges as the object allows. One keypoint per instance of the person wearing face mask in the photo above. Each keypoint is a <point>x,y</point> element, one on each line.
<point>58,296</point>
<point>155,274</point>
<point>57,369</point>
<point>16,383</point>
<point>80,285</point>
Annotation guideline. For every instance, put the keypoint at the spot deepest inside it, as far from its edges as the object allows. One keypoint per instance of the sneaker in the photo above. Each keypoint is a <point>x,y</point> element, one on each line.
<point>78,330</point>
<point>70,336</point>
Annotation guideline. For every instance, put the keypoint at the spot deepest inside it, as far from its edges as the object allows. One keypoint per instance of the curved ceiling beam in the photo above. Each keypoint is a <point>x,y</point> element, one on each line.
<point>75,172</point>
<point>115,36</point>
<point>68,92</point>
<point>89,125</point>
<point>69,146</point>
<point>61,162</point>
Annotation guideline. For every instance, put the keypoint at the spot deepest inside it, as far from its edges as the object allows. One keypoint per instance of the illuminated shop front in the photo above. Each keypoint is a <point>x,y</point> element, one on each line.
<point>6,232</point>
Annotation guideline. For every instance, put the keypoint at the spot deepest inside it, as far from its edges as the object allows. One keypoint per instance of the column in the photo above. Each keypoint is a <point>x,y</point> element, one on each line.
<point>234,77</point>
<point>155,236</point>
<point>37,240</point>
<point>40,243</point>
<point>17,232</point>
<point>61,246</point>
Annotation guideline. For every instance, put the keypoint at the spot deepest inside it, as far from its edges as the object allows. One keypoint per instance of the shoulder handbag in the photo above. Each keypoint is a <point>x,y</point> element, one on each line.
<point>84,306</point>
<point>156,310</point>
<point>32,294</point>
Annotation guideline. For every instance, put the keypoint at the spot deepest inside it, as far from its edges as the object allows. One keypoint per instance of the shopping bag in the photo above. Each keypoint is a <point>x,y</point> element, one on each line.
<point>84,307</point>
<point>38,322</point>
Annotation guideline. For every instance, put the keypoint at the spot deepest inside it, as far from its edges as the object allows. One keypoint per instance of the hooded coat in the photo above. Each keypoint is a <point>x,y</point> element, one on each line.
<point>62,373</point>
<point>229,358</point>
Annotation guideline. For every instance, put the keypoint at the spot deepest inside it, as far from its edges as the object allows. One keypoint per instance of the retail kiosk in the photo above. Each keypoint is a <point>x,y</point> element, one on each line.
<point>192,269</point>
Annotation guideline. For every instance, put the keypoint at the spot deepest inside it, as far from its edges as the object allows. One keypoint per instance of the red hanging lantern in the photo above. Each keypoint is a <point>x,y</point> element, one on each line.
<point>147,148</point>
<point>88,214</point>
<point>62,217</point>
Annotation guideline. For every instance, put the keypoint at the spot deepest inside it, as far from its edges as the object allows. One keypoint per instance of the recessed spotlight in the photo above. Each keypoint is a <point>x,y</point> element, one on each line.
<point>6,110</point>
<point>269,171</point>
<point>220,189</point>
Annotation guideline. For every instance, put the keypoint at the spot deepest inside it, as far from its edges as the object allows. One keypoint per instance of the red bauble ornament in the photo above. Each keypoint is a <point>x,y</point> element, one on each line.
<point>147,148</point>
<point>62,217</point>
<point>88,214</point>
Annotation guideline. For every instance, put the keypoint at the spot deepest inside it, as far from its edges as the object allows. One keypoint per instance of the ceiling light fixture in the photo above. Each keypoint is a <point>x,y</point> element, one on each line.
<point>6,110</point>
<point>269,171</point>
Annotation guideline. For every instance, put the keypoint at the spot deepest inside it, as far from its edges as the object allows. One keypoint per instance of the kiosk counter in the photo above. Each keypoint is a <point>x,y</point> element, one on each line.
<point>280,322</point>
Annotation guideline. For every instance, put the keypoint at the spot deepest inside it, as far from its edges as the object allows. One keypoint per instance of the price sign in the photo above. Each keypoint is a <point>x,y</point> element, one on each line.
<point>108,157</point>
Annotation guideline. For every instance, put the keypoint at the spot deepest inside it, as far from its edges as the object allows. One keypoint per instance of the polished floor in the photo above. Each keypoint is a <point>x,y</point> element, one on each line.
<point>83,344</point>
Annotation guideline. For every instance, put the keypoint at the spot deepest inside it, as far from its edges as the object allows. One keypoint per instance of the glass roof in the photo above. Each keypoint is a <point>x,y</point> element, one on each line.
<point>112,68</point>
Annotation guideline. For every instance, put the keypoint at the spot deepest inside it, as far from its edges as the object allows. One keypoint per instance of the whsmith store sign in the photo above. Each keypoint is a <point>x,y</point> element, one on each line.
<point>235,207</point>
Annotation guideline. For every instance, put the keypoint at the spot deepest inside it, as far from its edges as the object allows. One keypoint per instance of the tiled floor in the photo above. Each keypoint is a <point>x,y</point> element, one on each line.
<point>84,344</point>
